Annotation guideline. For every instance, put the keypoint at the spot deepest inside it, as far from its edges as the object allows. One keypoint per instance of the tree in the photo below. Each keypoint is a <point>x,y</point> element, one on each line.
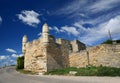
<point>20,63</point>
<point>108,42</point>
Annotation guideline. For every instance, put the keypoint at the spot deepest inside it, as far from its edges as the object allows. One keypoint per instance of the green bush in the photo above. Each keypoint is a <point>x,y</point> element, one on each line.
<point>108,42</point>
<point>88,71</point>
<point>64,71</point>
<point>20,63</point>
<point>108,71</point>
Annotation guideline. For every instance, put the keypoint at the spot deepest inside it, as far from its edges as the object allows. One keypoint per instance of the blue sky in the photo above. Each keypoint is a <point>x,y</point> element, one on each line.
<point>84,20</point>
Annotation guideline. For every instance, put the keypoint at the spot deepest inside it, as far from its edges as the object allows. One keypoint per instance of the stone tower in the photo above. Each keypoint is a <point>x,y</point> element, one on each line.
<point>24,41</point>
<point>45,34</point>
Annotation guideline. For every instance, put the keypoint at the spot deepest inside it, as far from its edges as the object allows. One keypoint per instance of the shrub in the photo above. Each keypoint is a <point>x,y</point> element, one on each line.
<point>20,63</point>
<point>88,71</point>
<point>108,42</point>
<point>108,71</point>
<point>63,71</point>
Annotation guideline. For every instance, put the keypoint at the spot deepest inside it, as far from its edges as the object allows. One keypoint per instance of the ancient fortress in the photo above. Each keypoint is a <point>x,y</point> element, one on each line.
<point>48,53</point>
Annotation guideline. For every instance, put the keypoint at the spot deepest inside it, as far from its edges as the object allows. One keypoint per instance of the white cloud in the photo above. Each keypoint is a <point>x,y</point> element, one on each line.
<point>85,10</point>
<point>50,28</point>
<point>82,14</point>
<point>66,29</point>
<point>70,30</point>
<point>71,7</point>
<point>16,55</point>
<point>0,19</point>
<point>95,34</point>
<point>20,55</point>
<point>114,25</point>
<point>77,6</point>
<point>7,60</point>
<point>56,29</point>
<point>29,17</point>
<point>103,5</point>
<point>3,57</point>
<point>11,50</point>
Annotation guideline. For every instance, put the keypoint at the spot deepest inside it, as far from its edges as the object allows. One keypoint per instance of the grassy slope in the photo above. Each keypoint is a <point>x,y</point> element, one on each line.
<point>87,71</point>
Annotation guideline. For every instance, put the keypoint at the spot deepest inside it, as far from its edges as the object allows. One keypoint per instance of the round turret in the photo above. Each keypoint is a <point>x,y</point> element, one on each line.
<point>45,28</point>
<point>25,39</point>
<point>45,33</point>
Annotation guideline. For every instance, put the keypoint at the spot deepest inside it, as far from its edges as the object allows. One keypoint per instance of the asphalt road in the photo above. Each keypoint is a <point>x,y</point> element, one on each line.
<point>9,75</point>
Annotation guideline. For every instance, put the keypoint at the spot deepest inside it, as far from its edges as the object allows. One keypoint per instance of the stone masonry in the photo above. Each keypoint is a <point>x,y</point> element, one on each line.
<point>105,54</point>
<point>48,53</point>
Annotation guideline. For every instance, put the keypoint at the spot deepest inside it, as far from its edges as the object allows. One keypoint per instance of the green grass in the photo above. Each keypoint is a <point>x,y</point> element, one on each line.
<point>26,72</point>
<point>64,71</point>
<point>87,71</point>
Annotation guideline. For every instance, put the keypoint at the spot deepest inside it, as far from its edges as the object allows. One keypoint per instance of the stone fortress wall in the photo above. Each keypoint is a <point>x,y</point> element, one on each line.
<point>106,55</point>
<point>48,53</point>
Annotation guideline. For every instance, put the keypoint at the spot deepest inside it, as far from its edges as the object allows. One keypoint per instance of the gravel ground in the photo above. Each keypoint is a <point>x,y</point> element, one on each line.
<point>9,75</point>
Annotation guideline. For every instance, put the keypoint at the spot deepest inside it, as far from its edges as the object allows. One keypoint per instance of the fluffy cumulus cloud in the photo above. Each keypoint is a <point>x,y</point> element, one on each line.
<point>29,17</point>
<point>11,50</point>
<point>0,19</point>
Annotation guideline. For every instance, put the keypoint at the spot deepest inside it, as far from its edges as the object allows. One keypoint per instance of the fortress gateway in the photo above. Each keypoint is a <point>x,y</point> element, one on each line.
<point>48,53</point>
